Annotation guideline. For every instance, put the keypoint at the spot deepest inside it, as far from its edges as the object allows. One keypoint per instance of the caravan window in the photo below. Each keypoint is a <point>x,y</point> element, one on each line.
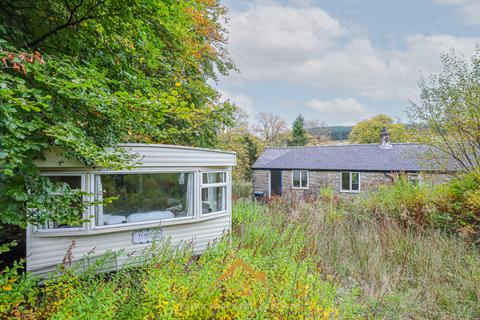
<point>144,197</point>
<point>73,182</point>
<point>214,192</point>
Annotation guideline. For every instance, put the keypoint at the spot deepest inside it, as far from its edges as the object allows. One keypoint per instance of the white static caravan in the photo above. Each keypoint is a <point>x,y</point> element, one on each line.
<point>174,192</point>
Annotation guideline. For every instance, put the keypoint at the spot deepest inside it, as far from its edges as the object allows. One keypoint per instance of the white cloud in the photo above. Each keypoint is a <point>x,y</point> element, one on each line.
<point>307,46</point>
<point>347,110</point>
<point>240,100</point>
<point>468,9</point>
<point>265,39</point>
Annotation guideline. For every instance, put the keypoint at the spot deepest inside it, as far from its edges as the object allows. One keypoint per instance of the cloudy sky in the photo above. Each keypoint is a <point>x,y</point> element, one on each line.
<point>341,61</point>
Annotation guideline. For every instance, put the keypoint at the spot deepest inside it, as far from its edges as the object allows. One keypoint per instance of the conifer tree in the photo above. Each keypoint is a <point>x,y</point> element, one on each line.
<point>299,134</point>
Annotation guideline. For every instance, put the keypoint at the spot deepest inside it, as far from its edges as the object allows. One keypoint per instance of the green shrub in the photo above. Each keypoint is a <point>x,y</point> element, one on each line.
<point>18,292</point>
<point>459,199</point>
<point>411,203</point>
<point>242,189</point>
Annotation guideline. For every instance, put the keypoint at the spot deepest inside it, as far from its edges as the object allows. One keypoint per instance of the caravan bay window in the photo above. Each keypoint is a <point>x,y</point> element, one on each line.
<point>140,197</point>
<point>124,198</point>
<point>180,194</point>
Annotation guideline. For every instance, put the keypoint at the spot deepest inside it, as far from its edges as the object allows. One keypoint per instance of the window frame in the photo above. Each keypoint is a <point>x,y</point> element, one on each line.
<point>83,188</point>
<point>308,179</point>
<point>350,190</point>
<point>413,178</point>
<point>213,185</point>
<point>93,220</point>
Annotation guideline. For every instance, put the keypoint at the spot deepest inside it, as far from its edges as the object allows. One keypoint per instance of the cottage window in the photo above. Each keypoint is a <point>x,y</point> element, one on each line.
<point>74,182</point>
<point>300,179</point>
<point>350,181</point>
<point>413,178</point>
<point>143,197</point>
<point>214,192</point>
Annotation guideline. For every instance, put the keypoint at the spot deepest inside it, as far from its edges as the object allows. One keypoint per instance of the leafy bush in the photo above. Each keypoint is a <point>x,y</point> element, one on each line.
<point>453,206</point>
<point>18,292</point>
<point>411,203</point>
<point>460,199</point>
<point>242,189</point>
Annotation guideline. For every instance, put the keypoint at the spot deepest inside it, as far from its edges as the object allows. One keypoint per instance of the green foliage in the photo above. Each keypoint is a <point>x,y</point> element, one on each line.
<point>109,72</point>
<point>339,132</point>
<point>242,189</point>
<point>448,116</point>
<point>325,259</point>
<point>247,147</point>
<point>407,202</point>
<point>268,270</point>
<point>368,131</point>
<point>299,134</point>
<point>236,137</point>
<point>18,292</point>
<point>460,198</point>
<point>453,206</point>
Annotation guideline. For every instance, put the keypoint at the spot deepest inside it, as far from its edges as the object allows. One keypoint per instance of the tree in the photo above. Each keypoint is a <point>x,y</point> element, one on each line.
<point>318,131</point>
<point>271,128</point>
<point>239,121</point>
<point>236,137</point>
<point>86,75</point>
<point>299,134</point>
<point>448,115</point>
<point>368,131</point>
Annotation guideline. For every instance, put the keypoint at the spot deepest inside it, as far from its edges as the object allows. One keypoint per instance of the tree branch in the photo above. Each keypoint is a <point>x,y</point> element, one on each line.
<point>71,21</point>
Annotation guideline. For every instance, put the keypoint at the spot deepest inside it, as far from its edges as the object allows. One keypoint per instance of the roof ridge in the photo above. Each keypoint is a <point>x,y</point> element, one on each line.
<point>344,145</point>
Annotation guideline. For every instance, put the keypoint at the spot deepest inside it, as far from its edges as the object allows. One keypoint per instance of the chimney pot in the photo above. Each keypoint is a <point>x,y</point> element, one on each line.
<point>385,139</point>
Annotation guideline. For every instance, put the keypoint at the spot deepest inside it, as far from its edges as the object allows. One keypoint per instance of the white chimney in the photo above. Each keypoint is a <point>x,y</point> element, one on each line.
<point>385,139</point>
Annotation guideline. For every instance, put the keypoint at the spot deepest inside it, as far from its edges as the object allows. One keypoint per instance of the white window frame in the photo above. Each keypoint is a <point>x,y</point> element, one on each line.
<point>93,220</point>
<point>308,180</point>
<point>414,177</point>
<point>212,185</point>
<point>83,188</point>
<point>350,182</point>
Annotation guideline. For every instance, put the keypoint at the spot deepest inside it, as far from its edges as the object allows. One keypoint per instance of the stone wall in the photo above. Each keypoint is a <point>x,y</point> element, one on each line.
<point>369,181</point>
<point>435,178</point>
<point>261,181</point>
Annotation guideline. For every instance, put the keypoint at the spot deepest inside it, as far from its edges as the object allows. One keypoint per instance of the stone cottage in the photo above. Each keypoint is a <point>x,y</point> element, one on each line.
<point>350,168</point>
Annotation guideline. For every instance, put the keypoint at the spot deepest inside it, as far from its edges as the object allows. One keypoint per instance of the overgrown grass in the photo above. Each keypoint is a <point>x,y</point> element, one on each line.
<point>400,271</point>
<point>302,259</point>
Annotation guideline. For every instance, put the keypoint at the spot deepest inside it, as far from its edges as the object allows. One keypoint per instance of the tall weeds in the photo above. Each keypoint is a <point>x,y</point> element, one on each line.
<point>399,271</point>
<point>288,259</point>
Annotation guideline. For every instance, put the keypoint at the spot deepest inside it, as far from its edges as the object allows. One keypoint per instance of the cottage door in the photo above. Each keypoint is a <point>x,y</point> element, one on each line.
<point>276,182</point>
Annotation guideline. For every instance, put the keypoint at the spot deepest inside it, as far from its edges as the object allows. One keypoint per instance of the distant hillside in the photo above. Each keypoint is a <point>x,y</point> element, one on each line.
<point>339,132</point>
<point>335,132</point>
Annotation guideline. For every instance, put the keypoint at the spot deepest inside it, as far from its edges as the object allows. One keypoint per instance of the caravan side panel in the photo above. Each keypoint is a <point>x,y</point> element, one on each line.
<point>46,252</point>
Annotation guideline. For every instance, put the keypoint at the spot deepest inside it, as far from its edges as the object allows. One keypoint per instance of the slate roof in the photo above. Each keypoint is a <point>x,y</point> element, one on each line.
<point>359,157</point>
